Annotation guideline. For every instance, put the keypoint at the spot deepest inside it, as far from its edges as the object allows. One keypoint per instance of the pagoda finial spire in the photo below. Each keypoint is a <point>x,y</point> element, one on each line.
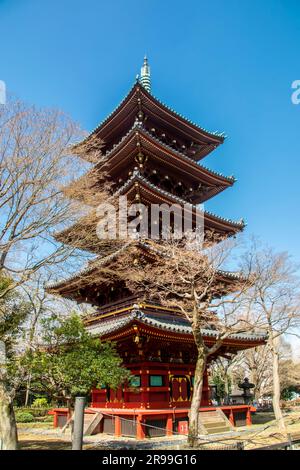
<point>145,75</point>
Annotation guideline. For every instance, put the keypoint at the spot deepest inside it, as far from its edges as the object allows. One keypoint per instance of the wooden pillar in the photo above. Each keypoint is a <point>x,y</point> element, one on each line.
<point>118,431</point>
<point>145,388</point>
<point>248,417</point>
<point>140,432</point>
<point>231,417</point>
<point>55,419</point>
<point>169,428</point>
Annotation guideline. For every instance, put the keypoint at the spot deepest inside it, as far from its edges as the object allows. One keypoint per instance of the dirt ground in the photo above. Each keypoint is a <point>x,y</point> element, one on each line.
<point>263,432</point>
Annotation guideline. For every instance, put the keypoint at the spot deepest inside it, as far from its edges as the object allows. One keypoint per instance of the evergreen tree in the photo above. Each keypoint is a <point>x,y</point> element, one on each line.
<point>70,362</point>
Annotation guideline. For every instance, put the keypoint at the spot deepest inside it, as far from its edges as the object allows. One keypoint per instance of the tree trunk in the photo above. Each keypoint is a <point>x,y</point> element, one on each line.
<point>276,385</point>
<point>256,394</point>
<point>29,350</point>
<point>226,389</point>
<point>197,394</point>
<point>254,380</point>
<point>8,427</point>
<point>70,415</point>
<point>28,383</point>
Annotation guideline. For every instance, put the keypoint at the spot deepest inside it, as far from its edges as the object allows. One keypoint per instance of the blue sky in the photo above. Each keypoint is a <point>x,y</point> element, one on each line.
<point>227,65</point>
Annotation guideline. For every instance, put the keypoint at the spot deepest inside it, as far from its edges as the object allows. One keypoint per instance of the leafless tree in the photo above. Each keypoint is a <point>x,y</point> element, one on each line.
<point>255,363</point>
<point>35,163</point>
<point>289,374</point>
<point>275,299</point>
<point>224,368</point>
<point>191,281</point>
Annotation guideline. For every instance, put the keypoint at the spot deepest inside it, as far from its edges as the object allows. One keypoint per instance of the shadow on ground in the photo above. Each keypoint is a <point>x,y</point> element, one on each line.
<point>262,417</point>
<point>44,445</point>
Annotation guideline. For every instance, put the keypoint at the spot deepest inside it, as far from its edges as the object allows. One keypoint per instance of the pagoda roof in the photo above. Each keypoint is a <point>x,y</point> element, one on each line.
<point>214,221</point>
<point>76,235</point>
<point>92,265</point>
<point>140,100</point>
<point>88,275</point>
<point>175,326</point>
<point>139,139</point>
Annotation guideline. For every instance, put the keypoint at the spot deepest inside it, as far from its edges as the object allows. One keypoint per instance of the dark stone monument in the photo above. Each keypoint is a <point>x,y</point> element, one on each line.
<point>246,386</point>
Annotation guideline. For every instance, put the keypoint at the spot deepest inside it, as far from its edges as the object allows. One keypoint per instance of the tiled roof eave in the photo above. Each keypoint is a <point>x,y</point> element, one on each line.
<point>90,267</point>
<point>219,137</point>
<point>139,127</point>
<point>106,119</point>
<point>98,262</point>
<point>137,176</point>
<point>108,327</point>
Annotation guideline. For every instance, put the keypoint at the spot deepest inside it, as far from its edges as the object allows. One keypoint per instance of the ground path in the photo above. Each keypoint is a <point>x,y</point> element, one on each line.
<point>264,432</point>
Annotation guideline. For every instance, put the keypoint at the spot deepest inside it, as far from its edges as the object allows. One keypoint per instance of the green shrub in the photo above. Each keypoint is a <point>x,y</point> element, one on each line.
<point>44,419</point>
<point>47,419</point>
<point>24,417</point>
<point>36,412</point>
<point>40,403</point>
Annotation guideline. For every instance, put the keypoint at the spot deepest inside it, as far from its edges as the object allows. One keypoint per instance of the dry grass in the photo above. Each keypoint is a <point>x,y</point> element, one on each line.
<point>28,442</point>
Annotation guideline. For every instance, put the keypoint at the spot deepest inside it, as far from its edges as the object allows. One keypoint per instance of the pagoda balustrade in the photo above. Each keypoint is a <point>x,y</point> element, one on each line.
<point>126,304</point>
<point>114,307</point>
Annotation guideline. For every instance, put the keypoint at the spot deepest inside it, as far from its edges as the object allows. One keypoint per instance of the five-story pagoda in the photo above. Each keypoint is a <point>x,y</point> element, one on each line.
<point>151,156</point>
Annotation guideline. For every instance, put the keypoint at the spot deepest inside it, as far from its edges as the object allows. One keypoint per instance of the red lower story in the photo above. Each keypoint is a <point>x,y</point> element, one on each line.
<point>156,403</point>
<point>142,423</point>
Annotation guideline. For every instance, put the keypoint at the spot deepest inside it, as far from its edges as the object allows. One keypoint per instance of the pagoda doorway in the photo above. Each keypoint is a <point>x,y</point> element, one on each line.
<point>180,388</point>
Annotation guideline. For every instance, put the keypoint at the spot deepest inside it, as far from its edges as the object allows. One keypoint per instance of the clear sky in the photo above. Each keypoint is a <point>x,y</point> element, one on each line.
<point>226,64</point>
